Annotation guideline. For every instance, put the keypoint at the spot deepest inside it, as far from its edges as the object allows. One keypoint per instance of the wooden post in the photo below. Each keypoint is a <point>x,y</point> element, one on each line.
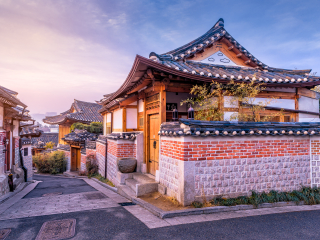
<point>145,133</point>
<point>163,102</point>
<point>124,119</point>
<point>296,105</point>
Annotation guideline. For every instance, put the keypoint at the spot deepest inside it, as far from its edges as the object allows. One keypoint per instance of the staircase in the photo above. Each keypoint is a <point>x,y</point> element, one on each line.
<point>140,184</point>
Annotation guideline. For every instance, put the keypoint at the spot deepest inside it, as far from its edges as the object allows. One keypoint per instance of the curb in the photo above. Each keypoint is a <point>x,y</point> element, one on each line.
<point>11,194</point>
<point>114,189</point>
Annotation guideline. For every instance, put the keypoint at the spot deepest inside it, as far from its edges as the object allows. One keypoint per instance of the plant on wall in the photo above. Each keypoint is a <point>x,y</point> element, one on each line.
<point>241,98</point>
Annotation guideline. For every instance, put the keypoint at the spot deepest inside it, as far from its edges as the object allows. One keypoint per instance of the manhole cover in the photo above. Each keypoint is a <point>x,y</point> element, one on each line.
<point>123,204</point>
<point>51,194</point>
<point>95,195</point>
<point>4,233</point>
<point>58,229</point>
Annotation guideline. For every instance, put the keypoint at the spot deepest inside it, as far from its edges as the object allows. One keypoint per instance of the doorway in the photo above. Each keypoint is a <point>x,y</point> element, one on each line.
<point>153,143</point>
<point>75,158</point>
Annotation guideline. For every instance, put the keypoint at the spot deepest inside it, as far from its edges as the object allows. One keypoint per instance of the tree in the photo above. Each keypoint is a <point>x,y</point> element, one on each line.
<point>209,101</point>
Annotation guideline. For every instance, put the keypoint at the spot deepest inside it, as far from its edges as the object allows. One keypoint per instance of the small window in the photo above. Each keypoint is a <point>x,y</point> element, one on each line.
<point>141,122</point>
<point>25,152</point>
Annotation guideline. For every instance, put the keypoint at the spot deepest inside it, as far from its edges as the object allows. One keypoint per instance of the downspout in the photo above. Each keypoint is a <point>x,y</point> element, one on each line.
<point>106,160</point>
<point>21,161</point>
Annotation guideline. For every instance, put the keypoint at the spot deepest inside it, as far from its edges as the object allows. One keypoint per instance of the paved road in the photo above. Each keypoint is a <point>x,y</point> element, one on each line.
<point>112,221</point>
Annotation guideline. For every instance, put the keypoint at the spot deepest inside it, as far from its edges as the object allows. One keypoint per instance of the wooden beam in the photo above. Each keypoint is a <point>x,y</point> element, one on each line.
<point>178,89</point>
<point>239,55</point>
<point>278,95</point>
<point>129,100</point>
<point>296,105</point>
<point>230,48</point>
<point>124,120</point>
<point>247,62</point>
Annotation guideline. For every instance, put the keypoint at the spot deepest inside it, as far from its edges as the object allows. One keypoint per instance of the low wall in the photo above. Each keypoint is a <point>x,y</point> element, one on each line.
<point>191,167</point>
<point>101,156</point>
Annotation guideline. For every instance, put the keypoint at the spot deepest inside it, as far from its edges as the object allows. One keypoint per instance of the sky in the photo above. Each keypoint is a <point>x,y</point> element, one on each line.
<point>55,51</point>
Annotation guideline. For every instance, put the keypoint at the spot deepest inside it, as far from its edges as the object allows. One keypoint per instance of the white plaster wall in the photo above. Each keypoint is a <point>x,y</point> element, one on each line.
<point>1,117</point>
<point>117,119</point>
<point>311,105</point>
<point>16,128</point>
<point>104,124</point>
<point>229,102</point>
<point>132,118</point>
<point>308,104</point>
<point>172,97</point>
<point>280,103</point>
<point>108,116</point>
<point>141,105</point>
<point>227,115</point>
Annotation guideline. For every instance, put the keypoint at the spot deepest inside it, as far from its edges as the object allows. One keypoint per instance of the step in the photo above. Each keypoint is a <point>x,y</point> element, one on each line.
<point>142,184</point>
<point>143,178</point>
<point>126,192</point>
<point>132,183</point>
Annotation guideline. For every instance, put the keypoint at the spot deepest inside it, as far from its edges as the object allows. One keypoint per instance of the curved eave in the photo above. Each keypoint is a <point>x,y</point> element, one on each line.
<point>141,64</point>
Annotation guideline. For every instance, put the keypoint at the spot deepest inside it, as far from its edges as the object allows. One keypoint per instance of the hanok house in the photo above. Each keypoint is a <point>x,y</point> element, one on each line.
<point>79,112</point>
<point>220,158</point>
<point>12,115</point>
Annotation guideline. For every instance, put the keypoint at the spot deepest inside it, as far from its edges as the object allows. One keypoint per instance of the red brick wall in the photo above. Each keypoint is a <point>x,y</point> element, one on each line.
<point>122,149</point>
<point>215,150</point>
<point>101,148</point>
<point>90,152</point>
<point>16,140</point>
<point>315,147</point>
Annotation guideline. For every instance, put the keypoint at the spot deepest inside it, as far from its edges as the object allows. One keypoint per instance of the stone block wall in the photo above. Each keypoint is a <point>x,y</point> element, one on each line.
<point>27,162</point>
<point>16,152</point>
<point>232,166</point>
<point>101,155</point>
<point>2,154</point>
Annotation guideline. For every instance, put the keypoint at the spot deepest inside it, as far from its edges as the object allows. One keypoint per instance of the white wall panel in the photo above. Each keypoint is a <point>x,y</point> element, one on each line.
<point>280,103</point>
<point>141,105</point>
<point>117,119</point>
<point>108,117</point>
<point>308,104</point>
<point>132,118</point>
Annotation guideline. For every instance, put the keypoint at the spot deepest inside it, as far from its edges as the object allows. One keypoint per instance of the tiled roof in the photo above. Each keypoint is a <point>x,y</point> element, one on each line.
<point>177,59</point>
<point>8,96</point>
<point>186,127</point>
<point>45,138</point>
<point>80,111</point>
<point>30,131</point>
<point>80,136</point>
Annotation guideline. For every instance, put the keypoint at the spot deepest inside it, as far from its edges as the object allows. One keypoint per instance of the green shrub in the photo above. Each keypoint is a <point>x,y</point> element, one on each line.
<point>54,162</point>
<point>94,127</point>
<point>49,145</point>
<point>92,165</point>
<point>197,204</point>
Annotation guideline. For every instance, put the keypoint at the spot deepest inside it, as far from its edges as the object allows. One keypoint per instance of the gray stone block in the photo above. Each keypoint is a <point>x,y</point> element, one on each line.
<point>162,189</point>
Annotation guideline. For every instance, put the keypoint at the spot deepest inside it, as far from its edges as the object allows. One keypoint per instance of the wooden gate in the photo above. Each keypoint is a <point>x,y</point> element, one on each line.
<point>75,158</point>
<point>153,143</point>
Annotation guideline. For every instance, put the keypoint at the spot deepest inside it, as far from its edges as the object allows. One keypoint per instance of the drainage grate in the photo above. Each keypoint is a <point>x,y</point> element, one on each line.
<point>52,194</point>
<point>58,229</point>
<point>94,195</point>
<point>4,233</point>
<point>123,204</point>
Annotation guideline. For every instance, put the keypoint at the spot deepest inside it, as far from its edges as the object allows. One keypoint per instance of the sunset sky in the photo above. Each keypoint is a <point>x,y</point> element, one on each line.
<point>54,51</point>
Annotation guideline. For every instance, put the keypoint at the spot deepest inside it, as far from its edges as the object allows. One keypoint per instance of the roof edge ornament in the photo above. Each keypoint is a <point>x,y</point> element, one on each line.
<point>219,23</point>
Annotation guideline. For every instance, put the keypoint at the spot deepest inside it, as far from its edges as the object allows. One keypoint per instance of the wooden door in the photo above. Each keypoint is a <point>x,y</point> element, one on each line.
<point>78,159</point>
<point>73,159</point>
<point>153,143</point>
<point>8,152</point>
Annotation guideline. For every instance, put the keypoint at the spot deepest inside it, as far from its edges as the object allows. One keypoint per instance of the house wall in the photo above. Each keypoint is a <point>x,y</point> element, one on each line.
<point>140,105</point>
<point>231,166</point>
<point>308,104</point>
<point>172,97</point>
<point>1,116</point>
<point>117,120</point>
<point>101,155</point>
<point>132,116</point>
<point>63,130</point>
<point>27,162</point>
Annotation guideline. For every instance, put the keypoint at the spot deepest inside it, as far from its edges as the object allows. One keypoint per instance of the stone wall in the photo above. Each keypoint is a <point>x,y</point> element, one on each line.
<point>101,155</point>
<point>27,162</point>
<point>231,166</point>
<point>2,154</point>
<point>16,152</point>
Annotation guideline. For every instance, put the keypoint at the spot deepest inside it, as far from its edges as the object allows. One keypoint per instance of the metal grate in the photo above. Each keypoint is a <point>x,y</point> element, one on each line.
<point>94,195</point>
<point>4,233</point>
<point>58,229</point>
<point>126,204</point>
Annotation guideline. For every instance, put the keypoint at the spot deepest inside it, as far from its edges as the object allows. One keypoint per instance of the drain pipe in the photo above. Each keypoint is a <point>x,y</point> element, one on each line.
<point>21,161</point>
<point>106,160</point>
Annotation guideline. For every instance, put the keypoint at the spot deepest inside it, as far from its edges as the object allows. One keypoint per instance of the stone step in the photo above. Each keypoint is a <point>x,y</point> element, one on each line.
<point>144,178</point>
<point>132,183</point>
<point>126,192</point>
<point>145,188</point>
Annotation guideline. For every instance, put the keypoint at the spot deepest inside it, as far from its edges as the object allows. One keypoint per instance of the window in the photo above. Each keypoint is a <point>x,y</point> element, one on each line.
<point>25,152</point>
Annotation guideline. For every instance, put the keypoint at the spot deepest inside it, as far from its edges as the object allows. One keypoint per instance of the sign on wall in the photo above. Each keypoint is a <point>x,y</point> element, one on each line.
<point>171,106</point>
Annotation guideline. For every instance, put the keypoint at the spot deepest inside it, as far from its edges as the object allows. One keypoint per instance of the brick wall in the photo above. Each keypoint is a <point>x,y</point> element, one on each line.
<point>16,152</point>
<point>190,167</point>
<point>215,150</point>
<point>122,149</point>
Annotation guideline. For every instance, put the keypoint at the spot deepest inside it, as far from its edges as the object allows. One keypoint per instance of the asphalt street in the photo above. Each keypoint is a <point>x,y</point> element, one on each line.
<point>118,223</point>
